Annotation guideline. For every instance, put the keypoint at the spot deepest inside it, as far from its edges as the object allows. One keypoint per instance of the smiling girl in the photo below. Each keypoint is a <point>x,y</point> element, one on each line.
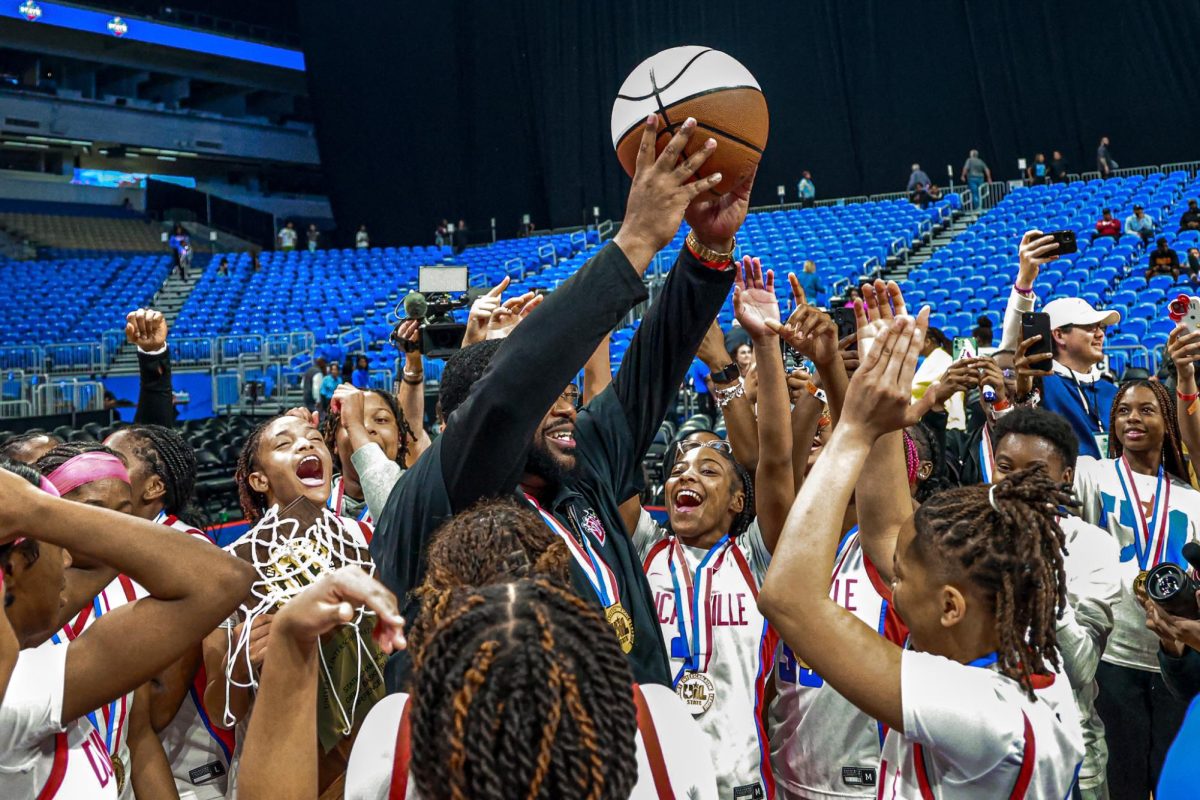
<point>1141,495</point>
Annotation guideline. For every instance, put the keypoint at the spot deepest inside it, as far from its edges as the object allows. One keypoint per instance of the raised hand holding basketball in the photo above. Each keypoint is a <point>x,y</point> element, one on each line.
<point>661,193</point>
<point>717,219</point>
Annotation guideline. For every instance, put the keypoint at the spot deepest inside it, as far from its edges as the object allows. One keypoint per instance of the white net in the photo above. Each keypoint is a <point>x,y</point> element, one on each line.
<point>288,558</point>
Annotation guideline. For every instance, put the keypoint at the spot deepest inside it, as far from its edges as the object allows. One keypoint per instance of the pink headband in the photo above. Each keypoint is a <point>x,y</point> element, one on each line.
<point>87,468</point>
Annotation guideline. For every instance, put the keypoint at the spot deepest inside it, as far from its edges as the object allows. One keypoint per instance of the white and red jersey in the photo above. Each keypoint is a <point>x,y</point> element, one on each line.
<point>112,721</point>
<point>672,752</point>
<point>971,732</point>
<point>822,745</point>
<point>172,521</point>
<point>731,644</point>
<point>198,751</point>
<point>41,756</point>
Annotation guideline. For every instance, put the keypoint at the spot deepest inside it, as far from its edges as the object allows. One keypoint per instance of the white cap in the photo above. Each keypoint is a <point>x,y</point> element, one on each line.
<point>1077,311</point>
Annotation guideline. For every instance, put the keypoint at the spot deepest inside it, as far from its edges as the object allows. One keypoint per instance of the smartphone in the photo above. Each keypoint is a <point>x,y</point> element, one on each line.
<point>846,324</point>
<point>1037,323</point>
<point>1066,242</point>
<point>1185,309</point>
<point>964,347</point>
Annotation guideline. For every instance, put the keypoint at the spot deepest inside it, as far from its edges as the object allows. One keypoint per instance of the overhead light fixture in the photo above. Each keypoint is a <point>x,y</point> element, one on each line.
<point>166,158</point>
<point>30,145</point>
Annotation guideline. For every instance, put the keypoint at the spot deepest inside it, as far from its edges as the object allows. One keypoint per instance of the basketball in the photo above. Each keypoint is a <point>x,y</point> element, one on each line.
<point>699,82</point>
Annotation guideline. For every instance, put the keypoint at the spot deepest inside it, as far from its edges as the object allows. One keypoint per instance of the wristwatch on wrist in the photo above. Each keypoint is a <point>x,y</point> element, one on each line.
<point>706,254</point>
<point>728,375</point>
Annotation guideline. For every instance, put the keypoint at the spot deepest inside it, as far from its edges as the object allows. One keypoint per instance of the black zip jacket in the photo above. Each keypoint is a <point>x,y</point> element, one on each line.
<point>156,398</point>
<point>483,450</point>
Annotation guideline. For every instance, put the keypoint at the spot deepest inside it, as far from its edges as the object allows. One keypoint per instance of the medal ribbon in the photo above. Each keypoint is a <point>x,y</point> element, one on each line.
<point>1157,526</point>
<point>597,571</point>
<point>334,503</point>
<point>987,459</point>
<point>112,720</point>
<point>699,644</point>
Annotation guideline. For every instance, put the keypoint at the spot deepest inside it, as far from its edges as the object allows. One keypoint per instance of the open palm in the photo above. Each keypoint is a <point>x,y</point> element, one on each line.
<point>754,299</point>
<point>717,218</point>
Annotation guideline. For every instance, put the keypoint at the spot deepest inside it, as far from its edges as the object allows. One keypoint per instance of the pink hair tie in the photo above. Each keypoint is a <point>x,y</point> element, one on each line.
<point>911,460</point>
<point>87,468</point>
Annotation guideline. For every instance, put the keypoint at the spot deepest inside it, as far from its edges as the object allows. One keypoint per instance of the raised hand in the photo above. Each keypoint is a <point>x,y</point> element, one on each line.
<point>962,376</point>
<point>881,303</point>
<point>333,601</point>
<point>147,329</point>
<point>850,359</point>
<point>754,302</point>
<point>407,338</point>
<point>510,313</point>
<point>717,219</point>
<point>662,191</point>
<point>809,330</point>
<point>349,403</point>
<point>1035,250</point>
<point>712,352</point>
<point>481,312</point>
<point>878,400</point>
<point>991,375</point>
<point>1183,348</point>
<point>1026,366</point>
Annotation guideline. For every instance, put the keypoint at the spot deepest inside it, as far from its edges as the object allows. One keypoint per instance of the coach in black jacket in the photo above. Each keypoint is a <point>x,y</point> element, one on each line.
<point>502,440</point>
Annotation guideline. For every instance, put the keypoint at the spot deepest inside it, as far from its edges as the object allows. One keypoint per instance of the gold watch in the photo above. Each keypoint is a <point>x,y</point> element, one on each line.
<point>707,254</point>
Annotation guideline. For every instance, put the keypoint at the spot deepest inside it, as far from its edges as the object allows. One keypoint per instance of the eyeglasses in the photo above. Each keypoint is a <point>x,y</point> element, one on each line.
<point>571,394</point>
<point>720,445</point>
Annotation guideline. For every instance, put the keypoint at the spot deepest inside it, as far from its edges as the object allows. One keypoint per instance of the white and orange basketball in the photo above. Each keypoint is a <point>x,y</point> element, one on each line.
<point>699,82</point>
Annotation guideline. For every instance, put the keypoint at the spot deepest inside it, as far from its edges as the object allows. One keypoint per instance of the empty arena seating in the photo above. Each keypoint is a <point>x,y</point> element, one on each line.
<point>971,277</point>
<point>66,307</point>
<point>80,227</point>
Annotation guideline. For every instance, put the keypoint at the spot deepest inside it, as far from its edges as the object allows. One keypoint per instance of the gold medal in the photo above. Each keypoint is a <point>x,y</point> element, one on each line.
<point>697,692</point>
<point>1139,584</point>
<point>119,772</point>
<point>622,625</point>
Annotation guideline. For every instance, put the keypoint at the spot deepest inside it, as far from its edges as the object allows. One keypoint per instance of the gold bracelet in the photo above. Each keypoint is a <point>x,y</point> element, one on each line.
<point>707,254</point>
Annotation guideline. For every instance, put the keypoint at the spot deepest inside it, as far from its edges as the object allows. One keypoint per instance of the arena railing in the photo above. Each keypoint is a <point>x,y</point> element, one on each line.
<point>1192,168</point>
<point>1132,355</point>
<point>67,396</point>
<point>75,357</point>
<point>14,409</point>
<point>22,357</point>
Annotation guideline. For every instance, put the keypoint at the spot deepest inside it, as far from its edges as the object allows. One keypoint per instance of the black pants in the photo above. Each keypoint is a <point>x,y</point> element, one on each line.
<point>1141,718</point>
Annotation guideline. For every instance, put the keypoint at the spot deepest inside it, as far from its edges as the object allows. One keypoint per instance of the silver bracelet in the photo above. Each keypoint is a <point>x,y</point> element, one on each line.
<point>725,396</point>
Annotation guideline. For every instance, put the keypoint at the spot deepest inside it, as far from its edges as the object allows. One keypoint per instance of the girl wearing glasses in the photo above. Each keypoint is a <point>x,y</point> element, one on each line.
<point>705,568</point>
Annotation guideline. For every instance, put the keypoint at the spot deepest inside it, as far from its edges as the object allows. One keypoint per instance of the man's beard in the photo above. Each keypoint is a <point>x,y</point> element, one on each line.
<point>540,462</point>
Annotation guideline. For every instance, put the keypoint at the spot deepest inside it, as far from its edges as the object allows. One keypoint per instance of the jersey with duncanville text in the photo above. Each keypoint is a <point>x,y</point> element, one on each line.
<point>740,650</point>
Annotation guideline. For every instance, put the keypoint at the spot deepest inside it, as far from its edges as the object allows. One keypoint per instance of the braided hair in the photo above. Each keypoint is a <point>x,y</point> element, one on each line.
<point>494,541</point>
<point>1012,552</point>
<point>12,446</point>
<point>1172,451</point>
<point>28,546</point>
<point>522,691</point>
<point>927,446</point>
<point>329,427</point>
<point>169,457</point>
<point>253,503</point>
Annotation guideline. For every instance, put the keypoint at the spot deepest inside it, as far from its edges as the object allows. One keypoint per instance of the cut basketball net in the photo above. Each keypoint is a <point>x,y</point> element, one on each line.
<point>703,83</point>
<point>288,559</point>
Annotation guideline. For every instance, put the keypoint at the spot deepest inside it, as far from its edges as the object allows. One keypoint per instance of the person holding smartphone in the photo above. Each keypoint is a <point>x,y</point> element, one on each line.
<point>1074,388</point>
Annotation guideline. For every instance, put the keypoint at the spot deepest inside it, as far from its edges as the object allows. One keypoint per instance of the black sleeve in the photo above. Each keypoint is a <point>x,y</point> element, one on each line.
<point>487,437</point>
<point>156,403</point>
<point>616,429</point>
<point>1182,675</point>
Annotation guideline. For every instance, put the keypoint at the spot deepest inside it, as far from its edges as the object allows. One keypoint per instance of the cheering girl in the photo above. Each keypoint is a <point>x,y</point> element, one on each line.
<point>978,581</point>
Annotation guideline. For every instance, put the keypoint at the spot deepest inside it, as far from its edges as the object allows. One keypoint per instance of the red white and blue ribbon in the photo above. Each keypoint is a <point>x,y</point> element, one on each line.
<point>696,649</point>
<point>1150,538</point>
<point>987,458</point>
<point>337,496</point>
<point>597,571</point>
